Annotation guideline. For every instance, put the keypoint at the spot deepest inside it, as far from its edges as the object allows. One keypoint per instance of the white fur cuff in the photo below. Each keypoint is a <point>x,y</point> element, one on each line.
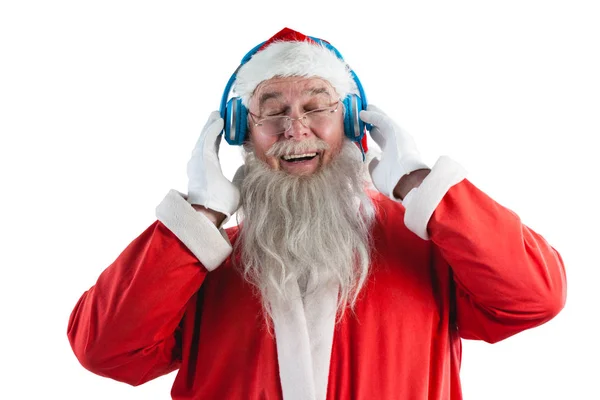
<point>421,202</point>
<point>209,244</point>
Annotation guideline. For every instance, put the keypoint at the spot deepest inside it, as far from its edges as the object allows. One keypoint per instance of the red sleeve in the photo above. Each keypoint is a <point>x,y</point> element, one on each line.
<point>508,278</point>
<point>125,326</point>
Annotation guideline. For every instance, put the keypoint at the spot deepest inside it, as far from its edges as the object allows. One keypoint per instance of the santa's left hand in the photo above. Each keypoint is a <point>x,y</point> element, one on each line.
<point>399,151</point>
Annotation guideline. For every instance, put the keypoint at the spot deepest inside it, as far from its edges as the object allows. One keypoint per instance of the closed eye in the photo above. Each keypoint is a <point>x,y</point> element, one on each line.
<point>275,114</point>
<point>318,111</point>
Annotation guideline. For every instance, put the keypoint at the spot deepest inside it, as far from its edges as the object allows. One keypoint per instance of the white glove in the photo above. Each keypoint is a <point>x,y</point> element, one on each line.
<point>399,151</point>
<point>207,186</point>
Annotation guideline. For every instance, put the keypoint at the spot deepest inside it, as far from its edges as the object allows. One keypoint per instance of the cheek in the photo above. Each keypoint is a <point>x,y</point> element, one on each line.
<point>335,139</point>
<point>262,145</point>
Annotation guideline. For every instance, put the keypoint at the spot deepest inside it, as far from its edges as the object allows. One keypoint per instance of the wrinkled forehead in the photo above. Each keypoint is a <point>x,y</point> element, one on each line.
<point>289,90</point>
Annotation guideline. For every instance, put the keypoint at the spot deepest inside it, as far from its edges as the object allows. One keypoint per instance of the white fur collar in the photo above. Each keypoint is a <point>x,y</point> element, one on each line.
<point>304,337</point>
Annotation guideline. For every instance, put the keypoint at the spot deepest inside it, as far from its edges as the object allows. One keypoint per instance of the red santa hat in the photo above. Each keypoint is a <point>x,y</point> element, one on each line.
<point>290,53</point>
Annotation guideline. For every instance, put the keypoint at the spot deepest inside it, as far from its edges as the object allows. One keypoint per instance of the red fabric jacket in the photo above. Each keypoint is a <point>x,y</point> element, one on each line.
<point>482,275</point>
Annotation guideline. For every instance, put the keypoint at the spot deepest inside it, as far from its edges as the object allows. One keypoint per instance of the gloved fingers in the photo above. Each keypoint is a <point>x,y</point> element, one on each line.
<point>217,142</point>
<point>377,119</point>
<point>211,123</point>
<point>215,115</point>
<point>377,136</point>
<point>372,107</point>
<point>372,165</point>
<point>212,129</point>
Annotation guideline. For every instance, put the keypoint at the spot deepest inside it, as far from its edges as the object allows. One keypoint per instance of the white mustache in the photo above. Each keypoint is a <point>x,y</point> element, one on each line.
<point>296,147</point>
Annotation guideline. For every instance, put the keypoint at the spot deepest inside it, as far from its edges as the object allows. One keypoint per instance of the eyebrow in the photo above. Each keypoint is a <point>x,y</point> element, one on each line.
<point>316,91</point>
<point>268,96</point>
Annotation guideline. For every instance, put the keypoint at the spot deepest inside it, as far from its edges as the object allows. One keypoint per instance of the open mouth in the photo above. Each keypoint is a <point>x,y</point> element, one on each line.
<point>299,157</point>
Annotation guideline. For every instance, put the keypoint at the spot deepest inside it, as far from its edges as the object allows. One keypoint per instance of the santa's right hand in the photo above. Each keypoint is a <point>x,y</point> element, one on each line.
<point>207,186</point>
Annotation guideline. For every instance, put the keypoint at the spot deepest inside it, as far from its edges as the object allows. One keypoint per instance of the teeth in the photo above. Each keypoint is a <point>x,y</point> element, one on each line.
<point>292,156</point>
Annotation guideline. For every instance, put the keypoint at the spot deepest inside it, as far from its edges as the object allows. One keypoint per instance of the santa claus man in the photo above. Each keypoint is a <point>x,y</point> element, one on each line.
<point>329,288</point>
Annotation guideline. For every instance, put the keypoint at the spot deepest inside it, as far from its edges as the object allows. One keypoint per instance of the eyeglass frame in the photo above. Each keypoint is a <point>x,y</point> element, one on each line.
<point>300,118</point>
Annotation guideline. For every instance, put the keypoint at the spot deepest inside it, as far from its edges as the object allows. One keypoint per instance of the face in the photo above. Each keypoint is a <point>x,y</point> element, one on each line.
<point>292,97</point>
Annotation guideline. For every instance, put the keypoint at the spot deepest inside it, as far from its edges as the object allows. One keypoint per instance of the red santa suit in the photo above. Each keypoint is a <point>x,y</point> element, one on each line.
<point>449,263</point>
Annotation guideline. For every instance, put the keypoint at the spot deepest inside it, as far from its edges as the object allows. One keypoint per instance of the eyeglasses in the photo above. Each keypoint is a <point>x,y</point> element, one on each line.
<point>313,119</point>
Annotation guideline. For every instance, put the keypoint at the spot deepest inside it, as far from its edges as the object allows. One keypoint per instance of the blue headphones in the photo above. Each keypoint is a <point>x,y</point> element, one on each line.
<point>235,113</point>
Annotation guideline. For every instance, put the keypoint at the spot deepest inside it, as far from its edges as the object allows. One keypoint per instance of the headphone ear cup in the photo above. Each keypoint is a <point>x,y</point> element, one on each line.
<point>236,116</point>
<point>242,122</point>
<point>354,127</point>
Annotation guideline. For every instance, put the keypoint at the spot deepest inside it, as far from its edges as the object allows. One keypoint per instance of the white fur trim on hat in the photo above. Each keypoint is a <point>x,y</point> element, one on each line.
<point>293,58</point>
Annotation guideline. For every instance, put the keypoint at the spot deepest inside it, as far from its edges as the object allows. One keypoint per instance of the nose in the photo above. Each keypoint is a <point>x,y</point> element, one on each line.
<point>297,131</point>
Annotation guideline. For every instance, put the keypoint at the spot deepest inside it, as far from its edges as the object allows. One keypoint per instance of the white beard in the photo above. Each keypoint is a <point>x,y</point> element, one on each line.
<point>309,230</point>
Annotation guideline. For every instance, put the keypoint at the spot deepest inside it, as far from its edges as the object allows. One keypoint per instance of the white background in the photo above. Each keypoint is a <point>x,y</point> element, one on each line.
<point>102,102</point>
